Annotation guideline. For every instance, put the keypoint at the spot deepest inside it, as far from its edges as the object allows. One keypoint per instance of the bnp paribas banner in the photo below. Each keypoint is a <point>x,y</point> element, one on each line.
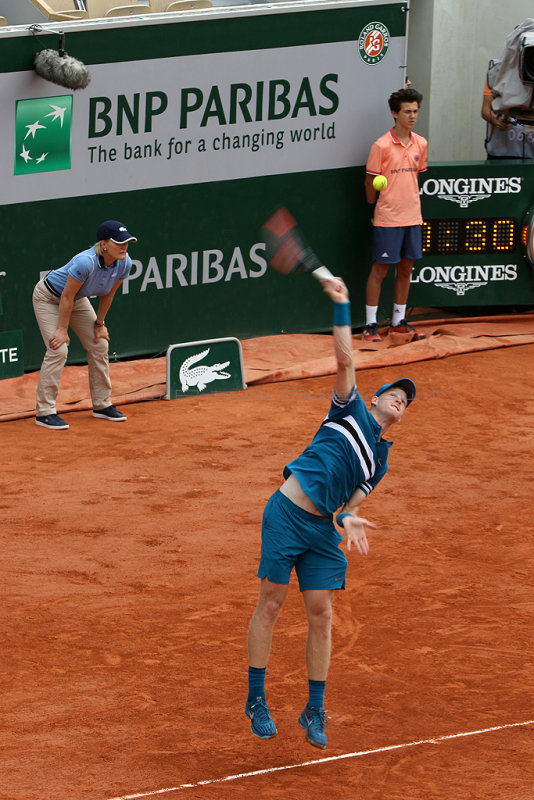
<point>190,131</point>
<point>201,118</point>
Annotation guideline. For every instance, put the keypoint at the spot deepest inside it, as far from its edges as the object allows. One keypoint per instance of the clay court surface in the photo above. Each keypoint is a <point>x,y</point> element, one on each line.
<point>129,555</point>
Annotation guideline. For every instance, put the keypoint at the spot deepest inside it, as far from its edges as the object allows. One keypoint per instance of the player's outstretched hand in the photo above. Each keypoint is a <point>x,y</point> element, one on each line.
<point>335,289</point>
<point>355,531</point>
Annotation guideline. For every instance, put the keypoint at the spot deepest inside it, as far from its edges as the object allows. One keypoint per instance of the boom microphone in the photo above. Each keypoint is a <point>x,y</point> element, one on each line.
<point>59,67</point>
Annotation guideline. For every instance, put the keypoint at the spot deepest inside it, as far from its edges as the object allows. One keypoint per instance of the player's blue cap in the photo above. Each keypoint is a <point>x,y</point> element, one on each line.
<point>114,230</point>
<point>404,383</point>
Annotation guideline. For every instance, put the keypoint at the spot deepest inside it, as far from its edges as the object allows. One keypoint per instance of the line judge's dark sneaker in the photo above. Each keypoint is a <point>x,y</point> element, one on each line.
<point>262,724</point>
<point>111,413</point>
<point>52,421</point>
<point>370,333</point>
<point>403,327</point>
<point>314,721</point>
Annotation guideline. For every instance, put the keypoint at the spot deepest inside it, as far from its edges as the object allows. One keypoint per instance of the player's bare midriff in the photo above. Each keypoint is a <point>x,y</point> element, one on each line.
<point>293,491</point>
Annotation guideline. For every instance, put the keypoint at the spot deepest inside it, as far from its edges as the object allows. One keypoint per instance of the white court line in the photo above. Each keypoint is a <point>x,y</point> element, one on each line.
<point>358,754</point>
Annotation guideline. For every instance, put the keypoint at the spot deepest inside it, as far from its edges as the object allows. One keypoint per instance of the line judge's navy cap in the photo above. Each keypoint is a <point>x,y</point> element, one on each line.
<point>404,383</point>
<point>114,230</point>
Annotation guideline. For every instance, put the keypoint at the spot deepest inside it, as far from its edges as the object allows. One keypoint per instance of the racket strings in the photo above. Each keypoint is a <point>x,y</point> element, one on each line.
<point>286,248</point>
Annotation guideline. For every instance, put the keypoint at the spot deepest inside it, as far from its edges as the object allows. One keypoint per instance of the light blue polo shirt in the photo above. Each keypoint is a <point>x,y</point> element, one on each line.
<point>346,453</point>
<point>87,267</point>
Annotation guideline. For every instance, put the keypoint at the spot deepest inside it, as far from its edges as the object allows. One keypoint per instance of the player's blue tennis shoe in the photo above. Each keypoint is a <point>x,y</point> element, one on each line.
<point>262,724</point>
<point>314,721</point>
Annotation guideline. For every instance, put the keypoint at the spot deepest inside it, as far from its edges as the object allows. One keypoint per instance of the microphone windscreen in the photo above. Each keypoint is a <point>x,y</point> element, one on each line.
<point>61,69</point>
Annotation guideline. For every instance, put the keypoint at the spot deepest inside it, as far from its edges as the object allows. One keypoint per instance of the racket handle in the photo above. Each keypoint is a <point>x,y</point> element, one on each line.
<point>322,273</point>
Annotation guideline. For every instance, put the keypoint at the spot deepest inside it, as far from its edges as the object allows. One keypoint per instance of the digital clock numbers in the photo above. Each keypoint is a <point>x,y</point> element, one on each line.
<point>477,235</point>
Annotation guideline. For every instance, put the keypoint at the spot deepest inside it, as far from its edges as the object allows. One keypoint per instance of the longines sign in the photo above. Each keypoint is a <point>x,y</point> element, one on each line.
<point>474,215</point>
<point>467,190</point>
<point>461,278</point>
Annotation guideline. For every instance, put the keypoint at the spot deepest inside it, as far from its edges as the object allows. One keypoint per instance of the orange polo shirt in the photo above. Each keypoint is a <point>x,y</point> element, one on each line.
<point>399,203</point>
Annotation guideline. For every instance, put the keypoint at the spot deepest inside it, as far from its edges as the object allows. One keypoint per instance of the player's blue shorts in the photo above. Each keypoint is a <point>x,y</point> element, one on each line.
<point>291,537</point>
<point>392,244</point>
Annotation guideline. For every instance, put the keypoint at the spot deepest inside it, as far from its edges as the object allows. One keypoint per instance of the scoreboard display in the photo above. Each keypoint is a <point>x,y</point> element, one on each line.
<point>460,237</point>
<point>477,235</point>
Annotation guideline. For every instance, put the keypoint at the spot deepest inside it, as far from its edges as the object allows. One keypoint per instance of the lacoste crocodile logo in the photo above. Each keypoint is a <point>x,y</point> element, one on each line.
<point>202,375</point>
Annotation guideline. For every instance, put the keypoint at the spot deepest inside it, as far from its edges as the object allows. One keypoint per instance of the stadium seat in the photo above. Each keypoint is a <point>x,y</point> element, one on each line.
<point>3,21</point>
<point>59,9</point>
<point>128,11</point>
<point>114,8</point>
<point>187,5</point>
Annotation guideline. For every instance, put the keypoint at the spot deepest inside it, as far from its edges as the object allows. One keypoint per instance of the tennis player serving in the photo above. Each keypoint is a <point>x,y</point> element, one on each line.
<point>344,463</point>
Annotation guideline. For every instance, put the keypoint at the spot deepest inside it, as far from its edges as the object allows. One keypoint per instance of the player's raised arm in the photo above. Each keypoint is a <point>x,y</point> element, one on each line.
<point>335,288</point>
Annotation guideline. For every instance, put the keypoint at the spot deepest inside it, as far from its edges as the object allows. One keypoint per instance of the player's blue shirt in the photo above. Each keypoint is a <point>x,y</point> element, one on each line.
<point>89,268</point>
<point>346,453</point>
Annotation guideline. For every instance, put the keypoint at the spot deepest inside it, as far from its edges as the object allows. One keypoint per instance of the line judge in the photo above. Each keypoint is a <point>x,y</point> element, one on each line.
<point>61,300</point>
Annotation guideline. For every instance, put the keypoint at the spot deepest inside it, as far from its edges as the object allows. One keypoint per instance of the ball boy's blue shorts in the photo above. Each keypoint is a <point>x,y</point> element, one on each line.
<point>291,537</point>
<point>392,244</point>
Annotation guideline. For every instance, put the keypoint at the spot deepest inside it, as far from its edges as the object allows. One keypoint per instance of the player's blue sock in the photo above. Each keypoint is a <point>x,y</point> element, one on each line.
<point>256,683</point>
<point>316,690</point>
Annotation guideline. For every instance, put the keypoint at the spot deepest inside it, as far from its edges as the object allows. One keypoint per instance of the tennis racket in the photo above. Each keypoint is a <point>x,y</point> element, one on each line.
<point>286,248</point>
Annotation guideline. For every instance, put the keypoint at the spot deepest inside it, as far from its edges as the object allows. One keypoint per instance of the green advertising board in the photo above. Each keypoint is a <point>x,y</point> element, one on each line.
<point>215,365</point>
<point>475,235</point>
<point>11,354</point>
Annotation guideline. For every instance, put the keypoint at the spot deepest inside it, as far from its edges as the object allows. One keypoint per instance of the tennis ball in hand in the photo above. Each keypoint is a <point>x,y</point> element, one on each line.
<point>380,182</point>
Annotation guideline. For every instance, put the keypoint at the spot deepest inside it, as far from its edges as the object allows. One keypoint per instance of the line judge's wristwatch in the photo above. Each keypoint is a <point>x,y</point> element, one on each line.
<point>100,324</point>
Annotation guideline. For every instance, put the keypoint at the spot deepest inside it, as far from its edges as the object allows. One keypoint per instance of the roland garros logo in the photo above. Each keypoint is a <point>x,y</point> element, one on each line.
<point>373,43</point>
